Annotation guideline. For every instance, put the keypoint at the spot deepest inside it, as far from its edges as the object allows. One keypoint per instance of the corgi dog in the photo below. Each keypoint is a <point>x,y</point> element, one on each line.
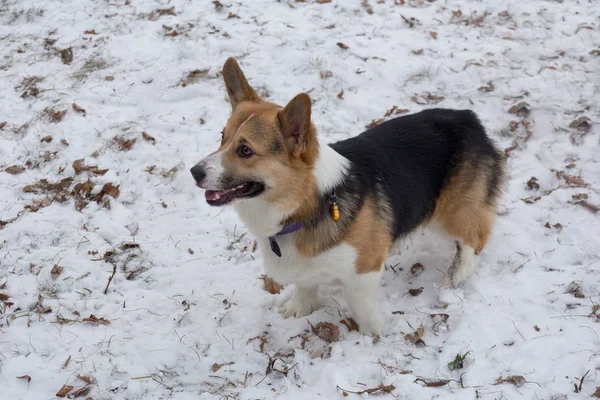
<point>329,214</point>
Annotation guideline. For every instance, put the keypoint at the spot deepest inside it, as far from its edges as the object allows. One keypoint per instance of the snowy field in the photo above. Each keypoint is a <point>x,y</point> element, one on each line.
<point>116,278</point>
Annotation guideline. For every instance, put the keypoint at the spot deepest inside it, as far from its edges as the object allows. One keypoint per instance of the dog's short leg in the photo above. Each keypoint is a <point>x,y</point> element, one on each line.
<point>463,265</point>
<point>304,300</point>
<point>362,295</point>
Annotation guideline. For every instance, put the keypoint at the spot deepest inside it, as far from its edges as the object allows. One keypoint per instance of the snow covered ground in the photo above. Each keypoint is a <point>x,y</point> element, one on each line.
<point>186,315</point>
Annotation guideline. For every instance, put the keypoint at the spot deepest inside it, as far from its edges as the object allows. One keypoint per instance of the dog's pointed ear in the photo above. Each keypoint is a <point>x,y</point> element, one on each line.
<point>295,125</point>
<point>237,86</point>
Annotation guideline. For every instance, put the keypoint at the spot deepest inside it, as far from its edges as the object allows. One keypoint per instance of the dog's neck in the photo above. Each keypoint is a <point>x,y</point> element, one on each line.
<point>265,219</point>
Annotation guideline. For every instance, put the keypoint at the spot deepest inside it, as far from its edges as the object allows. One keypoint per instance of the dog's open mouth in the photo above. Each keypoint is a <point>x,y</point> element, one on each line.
<point>243,191</point>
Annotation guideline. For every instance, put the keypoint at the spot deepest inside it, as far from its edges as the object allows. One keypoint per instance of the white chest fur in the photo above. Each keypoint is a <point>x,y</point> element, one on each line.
<point>336,264</point>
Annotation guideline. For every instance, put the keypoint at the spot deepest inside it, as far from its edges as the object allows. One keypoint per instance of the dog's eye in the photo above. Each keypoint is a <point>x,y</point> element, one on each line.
<point>244,151</point>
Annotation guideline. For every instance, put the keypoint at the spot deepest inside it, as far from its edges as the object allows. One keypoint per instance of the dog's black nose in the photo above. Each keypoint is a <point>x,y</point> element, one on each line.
<point>198,173</point>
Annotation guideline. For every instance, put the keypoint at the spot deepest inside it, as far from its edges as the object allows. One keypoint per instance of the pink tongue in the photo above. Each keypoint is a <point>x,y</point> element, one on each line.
<point>211,194</point>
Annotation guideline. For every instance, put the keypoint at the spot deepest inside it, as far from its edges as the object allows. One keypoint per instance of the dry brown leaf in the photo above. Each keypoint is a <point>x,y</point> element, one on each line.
<point>25,377</point>
<point>64,141</point>
<point>489,87</point>
<point>350,323</point>
<point>85,378</point>
<point>270,285</point>
<point>516,380</point>
<point>90,32</point>
<point>415,291</point>
<point>522,109</point>
<point>597,392</point>
<point>444,317</point>
<point>416,337</point>
<point>342,45</point>
<point>592,207</point>
<point>215,367</point>
<point>433,382</point>
<point>218,5</point>
<point>55,116</point>
<point>582,124</point>
<point>4,297</point>
<point>532,183</point>
<point>3,124</point>
<point>64,391</point>
<point>417,269</point>
<point>326,331</point>
<point>381,388</point>
<point>56,271</point>
<point>193,77</point>
<point>398,312</point>
<point>15,169</point>
<point>95,320</point>
<point>571,180</point>
<point>109,78</point>
<point>323,1</point>
<point>147,137</point>
<point>46,139</point>
<point>427,98</point>
<point>340,95</point>
<point>375,122</point>
<point>156,14</point>
<point>433,34</point>
<point>575,289</point>
<point>81,391</point>
<point>66,55</point>
<point>531,200</point>
<point>78,109</point>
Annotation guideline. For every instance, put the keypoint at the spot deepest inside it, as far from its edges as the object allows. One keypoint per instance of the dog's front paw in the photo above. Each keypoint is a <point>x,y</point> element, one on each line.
<point>371,326</point>
<point>295,307</point>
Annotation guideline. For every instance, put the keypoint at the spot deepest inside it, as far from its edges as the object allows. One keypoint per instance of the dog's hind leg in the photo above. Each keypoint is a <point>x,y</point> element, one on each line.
<point>471,233</point>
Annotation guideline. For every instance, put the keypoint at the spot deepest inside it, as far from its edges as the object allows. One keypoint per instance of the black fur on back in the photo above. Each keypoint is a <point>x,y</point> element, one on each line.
<point>411,159</point>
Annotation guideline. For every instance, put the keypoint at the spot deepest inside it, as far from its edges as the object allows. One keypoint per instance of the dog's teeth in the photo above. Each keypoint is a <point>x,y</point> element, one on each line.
<point>217,196</point>
<point>241,186</point>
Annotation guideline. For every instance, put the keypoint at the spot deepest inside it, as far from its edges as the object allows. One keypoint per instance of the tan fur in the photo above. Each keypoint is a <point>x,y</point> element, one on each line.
<point>371,237</point>
<point>462,210</point>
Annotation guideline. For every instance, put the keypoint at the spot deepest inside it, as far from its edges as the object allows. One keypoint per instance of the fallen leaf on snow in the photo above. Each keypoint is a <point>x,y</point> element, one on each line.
<point>78,109</point>
<point>531,200</point>
<point>342,45</point>
<point>415,291</point>
<point>416,337</point>
<point>64,391</point>
<point>46,139</point>
<point>25,377</point>
<point>522,109</point>
<point>147,137</point>
<point>56,271</point>
<point>326,331</point>
<point>270,285</point>
<point>417,269</point>
<point>532,183</point>
<point>15,169</point>
<point>350,324</point>
<point>81,391</point>
<point>433,382</point>
<point>582,124</point>
<point>575,289</point>
<point>95,320</point>
<point>516,380</point>
<point>66,55</point>
<point>156,14</point>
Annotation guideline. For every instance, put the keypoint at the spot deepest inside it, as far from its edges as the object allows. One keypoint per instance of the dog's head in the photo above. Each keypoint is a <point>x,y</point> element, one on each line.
<point>266,150</point>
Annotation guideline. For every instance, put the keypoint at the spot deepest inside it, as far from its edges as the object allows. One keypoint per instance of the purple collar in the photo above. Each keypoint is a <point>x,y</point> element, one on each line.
<point>291,228</point>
